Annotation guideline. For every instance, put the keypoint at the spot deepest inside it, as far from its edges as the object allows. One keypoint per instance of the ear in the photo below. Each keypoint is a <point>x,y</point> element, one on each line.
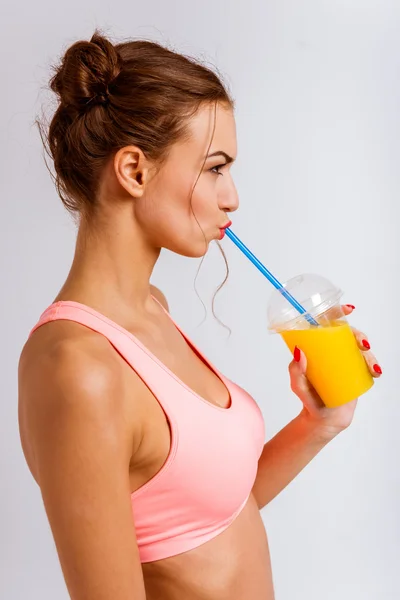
<point>132,170</point>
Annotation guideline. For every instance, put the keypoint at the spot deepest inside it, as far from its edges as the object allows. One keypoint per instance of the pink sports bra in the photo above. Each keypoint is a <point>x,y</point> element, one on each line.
<point>212,463</point>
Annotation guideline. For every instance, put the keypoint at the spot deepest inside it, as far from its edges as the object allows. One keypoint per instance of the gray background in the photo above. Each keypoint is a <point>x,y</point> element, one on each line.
<point>318,96</point>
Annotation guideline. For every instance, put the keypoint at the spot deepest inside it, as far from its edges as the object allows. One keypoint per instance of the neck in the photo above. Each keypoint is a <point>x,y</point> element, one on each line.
<point>112,266</point>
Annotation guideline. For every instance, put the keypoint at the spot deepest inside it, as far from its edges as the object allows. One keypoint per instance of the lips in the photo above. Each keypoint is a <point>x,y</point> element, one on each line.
<point>227,225</point>
<point>222,229</point>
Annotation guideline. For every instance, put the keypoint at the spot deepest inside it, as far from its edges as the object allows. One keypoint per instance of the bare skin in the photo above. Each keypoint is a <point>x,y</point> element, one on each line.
<point>111,272</point>
<point>234,565</point>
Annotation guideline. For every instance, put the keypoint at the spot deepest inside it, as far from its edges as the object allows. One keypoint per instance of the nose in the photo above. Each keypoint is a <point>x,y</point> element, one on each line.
<point>229,198</point>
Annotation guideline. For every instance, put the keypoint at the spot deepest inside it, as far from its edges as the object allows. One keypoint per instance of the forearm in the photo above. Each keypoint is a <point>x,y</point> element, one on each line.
<point>284,456</point>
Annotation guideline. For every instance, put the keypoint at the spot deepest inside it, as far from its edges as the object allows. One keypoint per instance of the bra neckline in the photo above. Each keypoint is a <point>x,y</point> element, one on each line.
<point>102,317</point>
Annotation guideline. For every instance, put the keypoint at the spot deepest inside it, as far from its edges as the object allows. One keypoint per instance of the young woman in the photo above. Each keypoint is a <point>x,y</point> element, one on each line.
<point>152,464</point>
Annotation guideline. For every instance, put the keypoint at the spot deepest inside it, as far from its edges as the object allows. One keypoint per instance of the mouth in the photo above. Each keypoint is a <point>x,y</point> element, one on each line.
<point>222,229</point>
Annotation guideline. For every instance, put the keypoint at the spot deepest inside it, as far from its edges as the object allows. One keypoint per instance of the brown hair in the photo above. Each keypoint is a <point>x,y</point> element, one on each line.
<point>136,92</point>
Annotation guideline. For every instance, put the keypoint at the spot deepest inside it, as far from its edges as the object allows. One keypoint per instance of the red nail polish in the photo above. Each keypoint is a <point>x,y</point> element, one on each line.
<point>351,306</point>
<point>377,369</point>
<point>296,354</point>
<point>366,344</point>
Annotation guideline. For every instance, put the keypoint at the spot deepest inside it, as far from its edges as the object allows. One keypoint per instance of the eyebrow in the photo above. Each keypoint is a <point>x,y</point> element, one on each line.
<point>228,158</point>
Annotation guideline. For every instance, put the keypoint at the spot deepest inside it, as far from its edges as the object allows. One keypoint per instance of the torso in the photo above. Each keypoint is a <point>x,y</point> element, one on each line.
<point>235,565</point>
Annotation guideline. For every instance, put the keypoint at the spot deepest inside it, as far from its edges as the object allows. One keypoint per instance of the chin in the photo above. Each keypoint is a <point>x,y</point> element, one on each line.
<point>197,252</point>
<point>194,250</point>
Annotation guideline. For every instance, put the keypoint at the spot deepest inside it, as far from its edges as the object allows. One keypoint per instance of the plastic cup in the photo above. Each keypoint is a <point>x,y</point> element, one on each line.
<point>335,365</point>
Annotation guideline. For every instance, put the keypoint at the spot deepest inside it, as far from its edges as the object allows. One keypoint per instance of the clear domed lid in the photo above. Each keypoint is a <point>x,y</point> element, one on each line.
<point>315,293</point>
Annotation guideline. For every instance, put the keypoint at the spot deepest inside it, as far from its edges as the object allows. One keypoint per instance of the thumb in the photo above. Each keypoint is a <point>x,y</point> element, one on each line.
<point>299,383</point>
<point>297,372</point>
<point>299,362</point>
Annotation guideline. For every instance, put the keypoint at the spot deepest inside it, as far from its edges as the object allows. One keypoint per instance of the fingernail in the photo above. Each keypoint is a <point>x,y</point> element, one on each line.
<point>296,354</point>
<point>377,369</point>
<point>351,306</point>
<point>366,344</point>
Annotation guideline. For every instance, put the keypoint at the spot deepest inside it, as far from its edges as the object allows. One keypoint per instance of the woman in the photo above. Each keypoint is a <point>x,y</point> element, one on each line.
<point>151,463</point>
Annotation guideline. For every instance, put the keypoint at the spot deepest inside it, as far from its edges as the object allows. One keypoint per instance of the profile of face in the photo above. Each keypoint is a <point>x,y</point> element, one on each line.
<point>163,211</point>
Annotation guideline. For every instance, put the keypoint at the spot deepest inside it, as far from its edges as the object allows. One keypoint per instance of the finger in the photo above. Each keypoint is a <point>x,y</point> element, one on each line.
<point>362,339</point>
<point>374,368</point>
<point>348,308</point>
<point>300,385</point>
<point>370,358</point>
<point>337,312</point>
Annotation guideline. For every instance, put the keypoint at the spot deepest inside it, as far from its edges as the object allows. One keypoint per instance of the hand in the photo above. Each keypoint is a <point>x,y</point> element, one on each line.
<point>330,421</point>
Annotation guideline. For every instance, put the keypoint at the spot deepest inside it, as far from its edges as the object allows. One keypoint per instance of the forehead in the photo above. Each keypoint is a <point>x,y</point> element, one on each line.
<point>202,125</point>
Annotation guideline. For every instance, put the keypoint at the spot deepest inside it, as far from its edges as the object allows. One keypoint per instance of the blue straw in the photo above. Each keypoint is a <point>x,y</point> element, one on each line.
<point>269,276</point>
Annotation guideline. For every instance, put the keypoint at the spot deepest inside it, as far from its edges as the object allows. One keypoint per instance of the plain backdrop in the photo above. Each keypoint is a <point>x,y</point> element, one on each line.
<point>317,89</point>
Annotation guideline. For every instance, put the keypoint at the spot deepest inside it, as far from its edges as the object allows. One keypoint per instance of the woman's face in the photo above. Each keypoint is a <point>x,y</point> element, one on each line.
<point>165,213</point>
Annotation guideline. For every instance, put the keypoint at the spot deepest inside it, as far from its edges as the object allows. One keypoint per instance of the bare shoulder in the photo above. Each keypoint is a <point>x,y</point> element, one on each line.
<point>157,293</point>
<point>72,404</point>
<point>69,371</point>
<point>71,364</point>
<point>69,355</point>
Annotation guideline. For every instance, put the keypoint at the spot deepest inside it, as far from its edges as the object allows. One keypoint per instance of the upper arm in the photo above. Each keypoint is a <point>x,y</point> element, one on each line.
<point>160,296</point>
<point>82,448</point>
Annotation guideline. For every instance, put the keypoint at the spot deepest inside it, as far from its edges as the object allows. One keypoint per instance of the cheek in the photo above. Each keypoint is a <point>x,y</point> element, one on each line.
<point>167,218</point>
<point>165,199</point>
<point>174,203</point>
<point>164,213</point>
<point>205,197</point>
<point>175,228</point>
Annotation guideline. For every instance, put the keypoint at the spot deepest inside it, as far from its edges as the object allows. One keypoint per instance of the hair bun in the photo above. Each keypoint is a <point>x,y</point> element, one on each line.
<point>86,72</point>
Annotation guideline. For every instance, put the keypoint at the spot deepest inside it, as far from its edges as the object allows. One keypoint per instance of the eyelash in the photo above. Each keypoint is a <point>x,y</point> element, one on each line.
<point>217,167</point>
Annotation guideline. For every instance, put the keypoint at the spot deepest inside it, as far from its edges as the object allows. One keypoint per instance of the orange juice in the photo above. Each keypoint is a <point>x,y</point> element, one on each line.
<point>335,365</point>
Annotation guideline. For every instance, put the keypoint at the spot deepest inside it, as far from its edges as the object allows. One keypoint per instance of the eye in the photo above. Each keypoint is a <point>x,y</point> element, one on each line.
<point>216,169</point>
